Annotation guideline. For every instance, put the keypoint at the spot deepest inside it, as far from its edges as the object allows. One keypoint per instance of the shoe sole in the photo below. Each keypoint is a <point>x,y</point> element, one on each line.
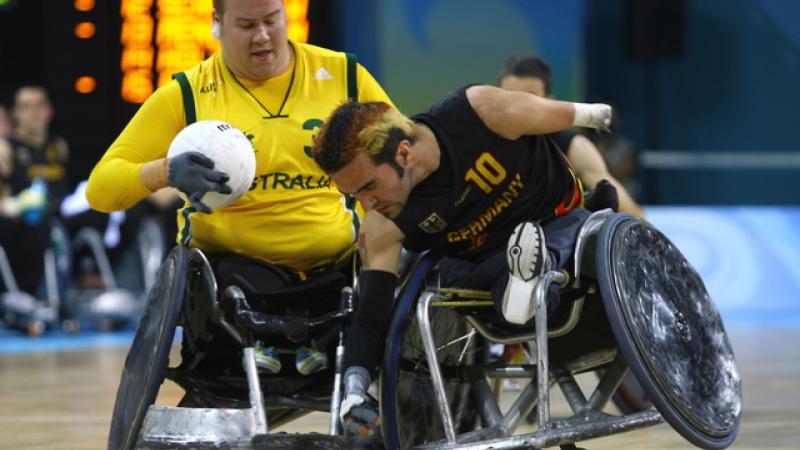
<point>526,236</point>
<point>522,276</point>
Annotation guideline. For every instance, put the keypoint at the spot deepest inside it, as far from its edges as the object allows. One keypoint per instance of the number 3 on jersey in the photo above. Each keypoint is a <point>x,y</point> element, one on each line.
<point>486,173</point>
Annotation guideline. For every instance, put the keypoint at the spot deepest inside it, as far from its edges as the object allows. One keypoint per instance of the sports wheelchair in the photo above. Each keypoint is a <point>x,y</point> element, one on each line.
<point>35,312</point>
<point>61,301</point>
<point>117,298</point>
<point>631,302</point>
<point>228,403</point>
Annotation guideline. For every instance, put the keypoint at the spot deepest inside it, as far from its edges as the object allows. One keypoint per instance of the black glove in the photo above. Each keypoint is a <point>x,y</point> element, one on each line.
<point>604,196</point>
<point>192,173</point>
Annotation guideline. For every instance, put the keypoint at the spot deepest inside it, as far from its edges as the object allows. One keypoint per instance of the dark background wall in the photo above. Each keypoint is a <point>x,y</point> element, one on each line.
<point>727,86</point>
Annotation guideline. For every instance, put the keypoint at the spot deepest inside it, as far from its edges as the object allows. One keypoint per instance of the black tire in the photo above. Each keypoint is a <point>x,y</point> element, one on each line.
<point>669,332</point>
<point>148,356</point>
<point>417,420</point>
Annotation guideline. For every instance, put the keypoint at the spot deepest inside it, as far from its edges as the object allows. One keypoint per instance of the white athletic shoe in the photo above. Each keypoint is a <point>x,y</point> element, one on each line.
<point>527,259</point>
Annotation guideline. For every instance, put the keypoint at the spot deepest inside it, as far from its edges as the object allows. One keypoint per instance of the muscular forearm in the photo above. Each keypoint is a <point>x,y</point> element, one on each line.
<point>365,339</point>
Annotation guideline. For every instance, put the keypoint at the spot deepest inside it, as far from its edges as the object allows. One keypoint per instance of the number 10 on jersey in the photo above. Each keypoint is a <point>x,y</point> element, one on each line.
<point>486,172</point>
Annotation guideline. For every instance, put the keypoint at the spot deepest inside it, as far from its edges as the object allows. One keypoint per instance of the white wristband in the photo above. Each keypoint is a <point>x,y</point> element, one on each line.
<point>592,115</point>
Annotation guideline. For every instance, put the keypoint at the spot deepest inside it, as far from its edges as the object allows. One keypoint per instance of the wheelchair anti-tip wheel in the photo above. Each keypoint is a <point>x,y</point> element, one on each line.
<point>669,331</point>
<point>149,353</point>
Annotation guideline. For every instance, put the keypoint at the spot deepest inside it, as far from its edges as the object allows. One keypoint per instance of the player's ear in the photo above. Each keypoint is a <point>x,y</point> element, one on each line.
<point>403,153</point>
<point>216,26</point>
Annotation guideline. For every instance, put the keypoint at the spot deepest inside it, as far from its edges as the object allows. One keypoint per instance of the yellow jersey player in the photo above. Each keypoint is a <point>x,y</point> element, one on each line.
<point>293,221</point>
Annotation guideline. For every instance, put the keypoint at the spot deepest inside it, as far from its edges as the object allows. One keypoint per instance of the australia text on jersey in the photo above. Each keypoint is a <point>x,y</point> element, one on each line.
<point>282,180</point>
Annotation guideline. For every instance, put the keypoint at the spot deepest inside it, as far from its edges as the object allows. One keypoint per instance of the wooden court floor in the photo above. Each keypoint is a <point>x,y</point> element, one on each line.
<point>63,400</point>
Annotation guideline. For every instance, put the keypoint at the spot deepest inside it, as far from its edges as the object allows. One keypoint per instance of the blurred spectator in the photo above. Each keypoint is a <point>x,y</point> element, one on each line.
<point>619,153</point>
<point>37,154</point>
<point>6,127</point>
<point>30,162</point>
<point>531,74</point>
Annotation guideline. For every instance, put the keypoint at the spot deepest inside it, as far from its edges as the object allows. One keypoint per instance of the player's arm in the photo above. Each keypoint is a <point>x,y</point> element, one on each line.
<point>590,167</point>
<point>136,165</point>
<point>380,241</point>
<point>512,114</point>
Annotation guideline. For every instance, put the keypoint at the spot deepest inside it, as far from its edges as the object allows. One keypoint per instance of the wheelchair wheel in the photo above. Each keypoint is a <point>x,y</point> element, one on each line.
<point>407,404</point>
<point>417,419</point>
<point>149,353</point>
<point>669,331</point>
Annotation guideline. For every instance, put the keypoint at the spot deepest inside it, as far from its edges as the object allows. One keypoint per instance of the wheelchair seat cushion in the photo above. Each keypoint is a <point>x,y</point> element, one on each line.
<point>271,287</point>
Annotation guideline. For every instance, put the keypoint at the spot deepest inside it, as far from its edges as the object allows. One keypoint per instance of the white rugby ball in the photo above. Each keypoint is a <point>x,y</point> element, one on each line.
<point>230,150</point>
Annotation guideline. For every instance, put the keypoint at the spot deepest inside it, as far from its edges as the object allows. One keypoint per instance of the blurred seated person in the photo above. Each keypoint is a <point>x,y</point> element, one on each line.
<point>531,74</point>
<point>35,152</point>
<point>6,126</point>
<point>32,183</point>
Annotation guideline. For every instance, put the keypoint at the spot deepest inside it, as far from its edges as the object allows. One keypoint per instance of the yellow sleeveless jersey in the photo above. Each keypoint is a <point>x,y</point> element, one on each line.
<point>293,215</point>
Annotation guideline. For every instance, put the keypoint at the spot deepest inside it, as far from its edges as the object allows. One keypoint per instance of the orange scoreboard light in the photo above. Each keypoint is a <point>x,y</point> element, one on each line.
<point>161,37</point>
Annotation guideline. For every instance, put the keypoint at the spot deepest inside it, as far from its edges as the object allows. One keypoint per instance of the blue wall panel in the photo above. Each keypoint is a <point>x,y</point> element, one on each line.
<point>749,257</point>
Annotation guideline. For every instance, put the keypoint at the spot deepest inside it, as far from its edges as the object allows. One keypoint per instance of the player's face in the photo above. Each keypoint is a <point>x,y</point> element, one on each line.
<point>528,84</point>
<point>32,110</point>
<point>254,40</point>
<point>377,187</point>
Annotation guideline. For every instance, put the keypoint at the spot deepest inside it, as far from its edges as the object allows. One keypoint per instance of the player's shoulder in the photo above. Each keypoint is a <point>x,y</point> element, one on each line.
<point>315,52</point>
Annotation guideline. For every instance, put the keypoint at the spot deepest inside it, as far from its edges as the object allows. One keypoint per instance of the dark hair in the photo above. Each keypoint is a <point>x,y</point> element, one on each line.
<point>528,66</point>
<point>31,87</point>
<point>372,128</point>
<point>219,7</point>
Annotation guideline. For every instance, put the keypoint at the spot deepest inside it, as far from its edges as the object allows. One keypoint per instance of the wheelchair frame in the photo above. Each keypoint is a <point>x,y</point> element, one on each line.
<point>115,304</point>
<point>21,310</point>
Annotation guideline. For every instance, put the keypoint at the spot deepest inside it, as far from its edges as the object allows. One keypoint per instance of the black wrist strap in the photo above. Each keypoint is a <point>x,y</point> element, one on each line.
<point>367,335</point>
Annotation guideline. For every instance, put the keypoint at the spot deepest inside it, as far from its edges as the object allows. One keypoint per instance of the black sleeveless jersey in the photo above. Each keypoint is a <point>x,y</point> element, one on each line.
<point>48,162</point>
<point>485,184</point>
<point>563,139</point>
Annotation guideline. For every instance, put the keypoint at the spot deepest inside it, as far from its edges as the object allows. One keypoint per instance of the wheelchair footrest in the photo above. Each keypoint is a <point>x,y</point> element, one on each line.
<point>209,428</point>
<point>168,425</point>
